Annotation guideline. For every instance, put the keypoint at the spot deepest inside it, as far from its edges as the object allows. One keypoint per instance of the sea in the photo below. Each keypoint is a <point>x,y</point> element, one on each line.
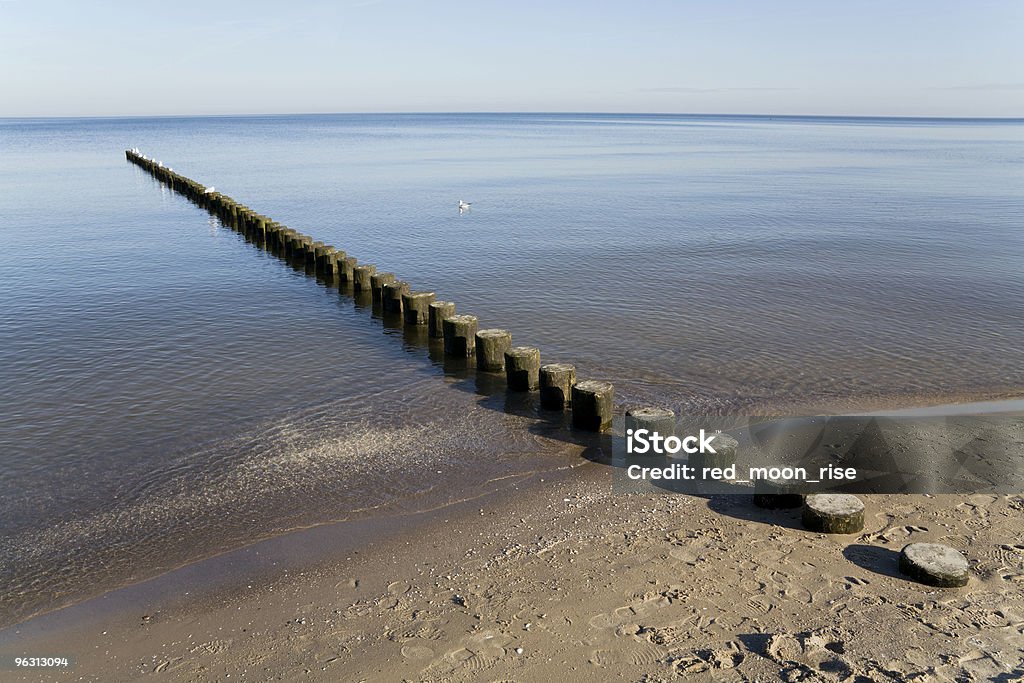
<point>169,391</point>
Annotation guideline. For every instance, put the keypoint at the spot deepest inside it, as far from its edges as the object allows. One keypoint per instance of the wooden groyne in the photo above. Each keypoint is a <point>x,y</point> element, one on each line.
<point>492,348</point>
<point>553,385</point>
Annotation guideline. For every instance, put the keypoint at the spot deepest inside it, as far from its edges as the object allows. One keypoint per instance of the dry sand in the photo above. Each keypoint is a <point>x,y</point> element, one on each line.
<point>560,579</point>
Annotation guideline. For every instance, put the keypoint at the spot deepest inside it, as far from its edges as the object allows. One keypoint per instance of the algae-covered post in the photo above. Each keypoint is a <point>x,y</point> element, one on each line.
<point>592,405</point>
<point>361,277</point>
<point>332,261</point>
<point>934,564</point>
<point>660,420</point>
<point>377,282</point>
<point>313,251</point>
<point>522,368</point>
<point>491,346</point>
<point>556,383</point>
<point>346,268</point>
<point>391,299</point>
<point>833,513</point>
<point>724,455</point>
<point>416,306</point>
<point>460,335</point>
<point>324,257</point>
<point>438,313</point>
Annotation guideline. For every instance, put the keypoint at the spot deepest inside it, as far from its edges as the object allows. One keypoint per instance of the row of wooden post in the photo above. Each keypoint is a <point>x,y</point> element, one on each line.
<point>591,401</point>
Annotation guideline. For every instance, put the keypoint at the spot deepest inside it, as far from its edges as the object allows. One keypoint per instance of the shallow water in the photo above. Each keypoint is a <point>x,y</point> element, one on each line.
<point>168,390</point>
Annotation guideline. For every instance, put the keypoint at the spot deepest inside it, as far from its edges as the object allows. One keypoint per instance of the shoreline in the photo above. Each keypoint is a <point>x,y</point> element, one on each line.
<point>561,577</point>
<point>231,589</point>
<point>377,519</point>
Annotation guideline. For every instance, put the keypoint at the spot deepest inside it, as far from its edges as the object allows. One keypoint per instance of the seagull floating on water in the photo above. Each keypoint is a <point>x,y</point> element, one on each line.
<point>464,206</point>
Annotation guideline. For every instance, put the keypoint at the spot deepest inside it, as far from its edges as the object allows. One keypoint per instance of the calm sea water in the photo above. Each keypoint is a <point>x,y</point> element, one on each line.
<point>168,391</point>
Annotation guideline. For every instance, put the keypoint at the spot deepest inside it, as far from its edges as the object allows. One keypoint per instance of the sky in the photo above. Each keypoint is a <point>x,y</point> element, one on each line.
<point>822,57</point>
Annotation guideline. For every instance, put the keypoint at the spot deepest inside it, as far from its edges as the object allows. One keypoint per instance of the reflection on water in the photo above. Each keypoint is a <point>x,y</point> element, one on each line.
<point>168,390</point>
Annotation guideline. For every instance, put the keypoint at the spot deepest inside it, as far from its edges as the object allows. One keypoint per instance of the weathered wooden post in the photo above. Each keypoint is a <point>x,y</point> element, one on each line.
<point>522,368</point>
<point>377,282</point>
<point>556,383</point>
<point>725,454</point>
<point>660,420</point>
<point>460,335</point>
<point>833,513</point>
<point>592,405</point>
<point>346,269</point>
<point>439,310</point>
<point>491,346</point>
<point>361,277</point>
<point>934,564</point>
<point>777,494</point>
<point>332,262</point>
<point>416,307</point>
<point>391,298</point>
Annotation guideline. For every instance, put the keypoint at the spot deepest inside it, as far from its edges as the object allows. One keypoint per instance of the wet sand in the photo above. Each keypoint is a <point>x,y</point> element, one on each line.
<point>554,577</point>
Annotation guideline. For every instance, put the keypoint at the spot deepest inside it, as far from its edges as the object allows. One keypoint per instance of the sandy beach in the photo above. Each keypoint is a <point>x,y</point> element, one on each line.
<point>557,578</point>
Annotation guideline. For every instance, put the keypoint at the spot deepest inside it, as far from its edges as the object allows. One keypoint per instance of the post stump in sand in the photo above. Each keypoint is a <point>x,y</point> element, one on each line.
<point>725,454</point>
<point>934,564</point>
<point>777,494</point>
<point>833,513</point>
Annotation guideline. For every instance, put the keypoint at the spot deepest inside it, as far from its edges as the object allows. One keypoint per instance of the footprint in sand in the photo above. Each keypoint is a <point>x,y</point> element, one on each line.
<point>702,661</point>
<point>1001,557</point>
<point>757,606</point>
<point>687,555</point>
<point>670,636</point>
<point>459,663</point>
<point>651,601</point>
<point>727,658</point>
<point>689,665</point>
<point>488,644</point>
<point>853,582</point>
<point>417,652</point>
<point>648,655</point>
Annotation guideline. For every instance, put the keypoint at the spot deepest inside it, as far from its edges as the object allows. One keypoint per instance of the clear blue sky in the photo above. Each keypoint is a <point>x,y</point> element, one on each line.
<point>926,58</point>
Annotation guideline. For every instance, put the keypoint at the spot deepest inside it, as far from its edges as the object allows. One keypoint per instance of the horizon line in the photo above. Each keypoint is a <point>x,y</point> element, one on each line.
<point>535,113</point>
